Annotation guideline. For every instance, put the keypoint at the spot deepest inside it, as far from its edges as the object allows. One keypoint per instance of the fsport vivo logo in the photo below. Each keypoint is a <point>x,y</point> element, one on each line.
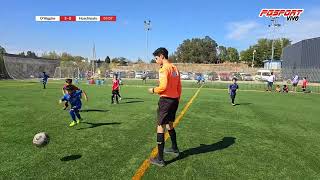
<point>290,14</point>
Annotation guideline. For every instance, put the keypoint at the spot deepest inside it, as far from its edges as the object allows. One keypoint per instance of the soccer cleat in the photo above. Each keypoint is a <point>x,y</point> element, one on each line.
<point>157,162</point>
<point>119,99</point>
<point>78,121</point>
<point>233,104</point>
<point>73,123</point>
<point>172,151</point>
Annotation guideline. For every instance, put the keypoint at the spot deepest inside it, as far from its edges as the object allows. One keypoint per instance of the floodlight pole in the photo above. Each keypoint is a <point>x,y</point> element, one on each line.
<point>147,28</point>
<point>94,58</point>
<point>78,73</point>
<point>273,24</point>
<point>254,51</point>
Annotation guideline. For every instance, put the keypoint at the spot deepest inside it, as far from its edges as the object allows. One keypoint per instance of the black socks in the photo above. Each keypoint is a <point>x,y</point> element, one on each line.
<point>160,142</point>
<point>173,137</point>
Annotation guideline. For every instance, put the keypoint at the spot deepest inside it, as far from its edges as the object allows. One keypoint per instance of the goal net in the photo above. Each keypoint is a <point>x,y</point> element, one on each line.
<point>66,72</point>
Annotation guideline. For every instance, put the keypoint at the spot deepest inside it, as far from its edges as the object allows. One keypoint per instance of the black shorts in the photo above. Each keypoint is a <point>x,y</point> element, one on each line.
<point>295,84</point>
<point>167,108</point>
<point>115,91</point>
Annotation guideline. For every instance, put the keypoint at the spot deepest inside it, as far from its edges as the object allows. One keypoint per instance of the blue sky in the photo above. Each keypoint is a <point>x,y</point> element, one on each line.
<point>230,23</point>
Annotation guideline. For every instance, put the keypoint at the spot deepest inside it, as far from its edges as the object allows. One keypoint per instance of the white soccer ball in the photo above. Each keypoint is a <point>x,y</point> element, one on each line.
<point>41,139</point>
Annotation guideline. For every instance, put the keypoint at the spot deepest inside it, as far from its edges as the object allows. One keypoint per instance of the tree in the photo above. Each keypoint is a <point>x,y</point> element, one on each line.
<point>31,54</point>
<point>232,54</point>
<point>263,51</point>
<point>120,61</point>
<point>153,61</point>
<point>223,54</point>
<point>66,57</point>
<point>115,60</point>
<point>98,62</point>
<point>51,55</point>
<point>123,61</point>
<point>78,58</point>
<point>197,50</point>
<point>285,42</point>
<point>107,60</point>
<point>22,54</point>
<point>2,50</point>
<point>172,58</point>
<point>140,61</point>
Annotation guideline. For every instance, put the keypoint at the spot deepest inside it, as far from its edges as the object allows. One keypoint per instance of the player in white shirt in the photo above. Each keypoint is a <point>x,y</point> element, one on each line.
<point>271,80</point>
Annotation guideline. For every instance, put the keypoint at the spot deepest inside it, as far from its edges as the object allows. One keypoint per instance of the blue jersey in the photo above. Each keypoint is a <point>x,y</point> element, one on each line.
<point>233,88</point>
<point>74,99</point>
<point>45,78</point>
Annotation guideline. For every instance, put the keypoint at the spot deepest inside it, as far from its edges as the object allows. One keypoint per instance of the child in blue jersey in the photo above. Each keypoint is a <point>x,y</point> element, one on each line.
<point>45,79</point>
<point>74,98</point>
<point>198,79</point>
<point>233,90</point>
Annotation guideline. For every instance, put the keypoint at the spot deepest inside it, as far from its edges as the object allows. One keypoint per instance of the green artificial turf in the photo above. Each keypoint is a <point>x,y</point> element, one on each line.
<point>266,136</point>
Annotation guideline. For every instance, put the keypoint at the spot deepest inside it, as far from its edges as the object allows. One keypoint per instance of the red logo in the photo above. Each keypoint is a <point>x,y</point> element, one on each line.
<point>280,12</point>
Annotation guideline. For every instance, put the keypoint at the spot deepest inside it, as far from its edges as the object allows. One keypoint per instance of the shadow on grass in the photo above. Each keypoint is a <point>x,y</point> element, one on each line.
<point>203,148</point>
<point>130,98</point>
<point>71,157</point>
<point>94,125</point>
<point>133,102</point>
<point>243,104</point>
<point>94,110</point>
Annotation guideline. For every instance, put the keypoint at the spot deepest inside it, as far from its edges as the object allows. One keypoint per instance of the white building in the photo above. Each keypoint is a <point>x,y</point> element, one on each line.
<point>275,64</point>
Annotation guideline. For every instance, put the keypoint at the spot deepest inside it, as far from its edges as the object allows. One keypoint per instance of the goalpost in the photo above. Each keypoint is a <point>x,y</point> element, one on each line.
<point>66,72</point>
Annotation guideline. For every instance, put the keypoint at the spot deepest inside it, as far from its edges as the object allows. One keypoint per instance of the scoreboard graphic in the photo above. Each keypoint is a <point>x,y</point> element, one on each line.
<point>76,18</point>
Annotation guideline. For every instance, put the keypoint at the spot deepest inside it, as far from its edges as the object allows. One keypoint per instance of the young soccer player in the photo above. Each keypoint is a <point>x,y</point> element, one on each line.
<point>202,79</point>
<point>278,88</point>
<point>271,79</point>
<point>198,78</point>
<point>64,91</point>
<point>285,89</point>
<point>295,82</point>
<point>77,80</point>
<point>169,90</point>
<point>74,98</point>
<point>115,90</point>
<point>144,77</point>
<point>45,79</point>
<point>304,84</point>
<point>233,90</point>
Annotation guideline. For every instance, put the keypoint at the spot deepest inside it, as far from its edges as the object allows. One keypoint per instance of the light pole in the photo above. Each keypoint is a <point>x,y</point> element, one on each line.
<point>254,51</point>
<point>93,59</point>
<point>274,24</point>
<point>147,28</point>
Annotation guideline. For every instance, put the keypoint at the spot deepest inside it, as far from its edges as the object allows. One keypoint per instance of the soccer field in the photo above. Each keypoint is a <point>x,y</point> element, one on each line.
<point>266,136</point>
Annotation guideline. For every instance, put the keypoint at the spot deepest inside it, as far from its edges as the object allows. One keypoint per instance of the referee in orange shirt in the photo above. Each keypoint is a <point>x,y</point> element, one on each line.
<point>169,90</point>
